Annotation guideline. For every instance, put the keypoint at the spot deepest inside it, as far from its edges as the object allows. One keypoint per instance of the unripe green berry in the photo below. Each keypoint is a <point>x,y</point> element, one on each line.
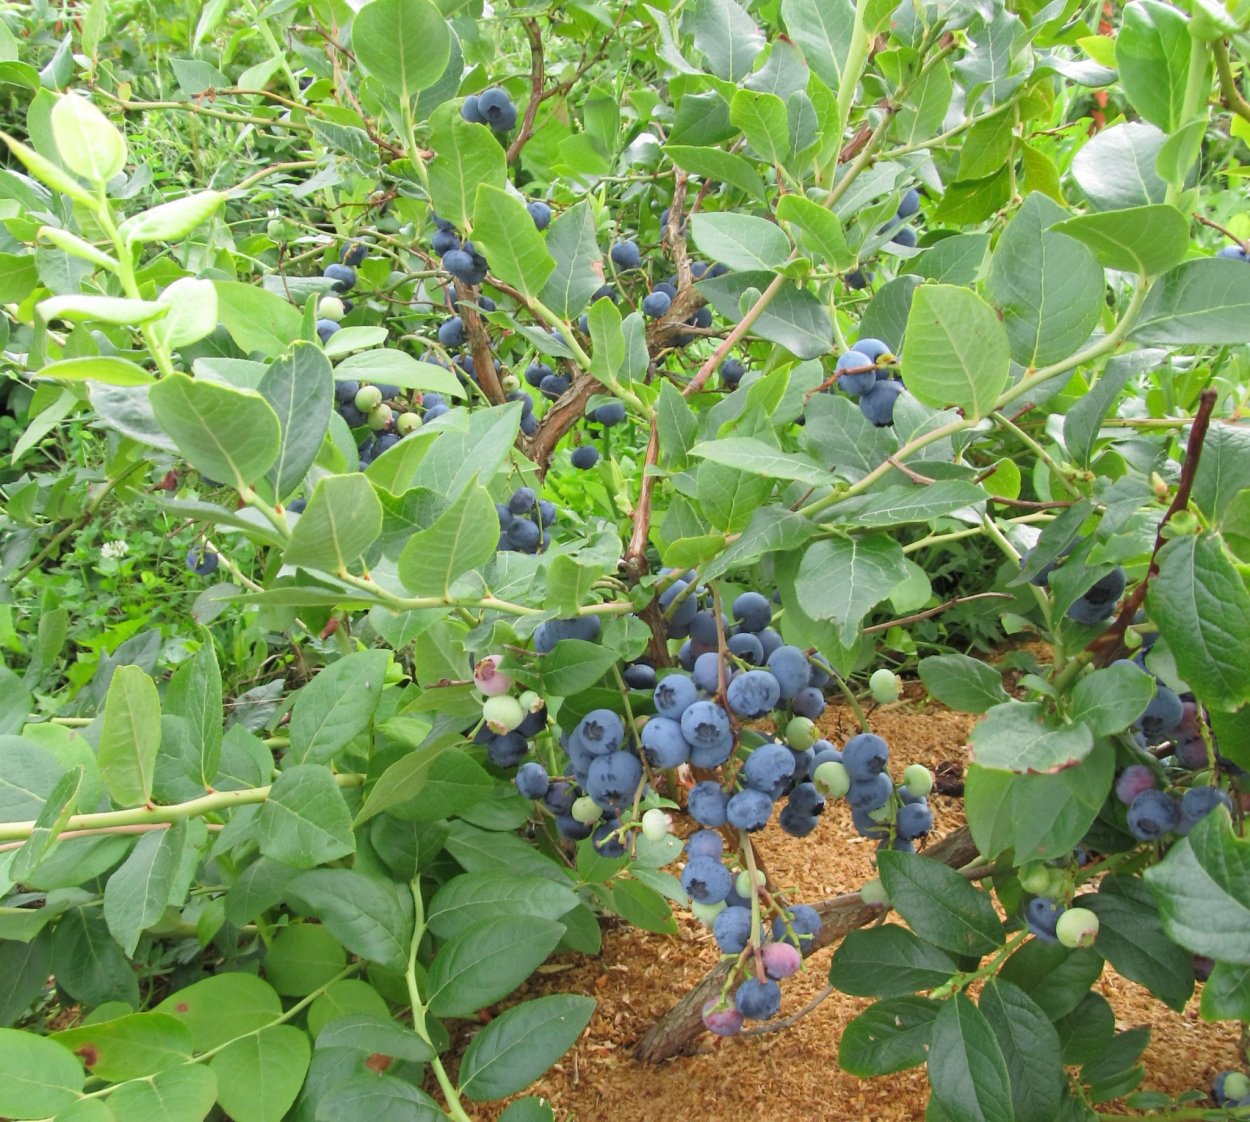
<point>742,882</point>
<point>873,892</point>
<point>885,686</point>
<point>1236,1086</point>
<point>367,397</point>
<point>503,713</point>
<point>330,307</point>
<point>1058,887</point>
<point>585,810</point>
<point>801,733</point>
<point>655,824</point>
<point>918,780</point>
<point>510,383</point>
<point>832,779</point>
<point>1077,927</point>
<point>406,423</point>
<point>1035,879</point>
<point>530,701</point>
<point>379,416</point>
<point>706,913</point>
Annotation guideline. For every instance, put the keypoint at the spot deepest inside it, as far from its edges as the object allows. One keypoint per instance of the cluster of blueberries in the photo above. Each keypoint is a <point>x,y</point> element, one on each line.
<point>626,256</point>
<point>378,408</point>
<point>492,108</point>
<point>523,522</point>
<point>342,275</point>
<point>868,373</point>
<point>1231,1089</point>
<point>1097,603</point>
<point>1047,918</point>
<point>202,561</point>
<point>903,235</point>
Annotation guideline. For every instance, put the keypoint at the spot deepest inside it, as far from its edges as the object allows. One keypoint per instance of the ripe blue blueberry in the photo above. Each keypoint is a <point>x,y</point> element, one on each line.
<point>343,276</point>
<point>805,922</point>
<point>664,744</point>
<point>864,376</point>
<point>705,724</point>
<point>599,732</point>
<point>789,666</point>
<point>877,403</point>
<point>870,794</point>
<point>747,647</point>
<point>767,768</point>
<point>909,204</point>
<point>554,386</point>
<point>585,456</point>
<point>326,328</point>
<point>914,820</point>
<point>752,611</point>
<point>202,562</point>
<point>444,241</point>
<point>507,749</point>
<point>608,414</point>
<point>1042,916</point>
<point>706,802</point>
<point>540,212</point>
<point>706,880</point>
<point>496,109</point>
<point>1162,716</point>
<point>732,930</point>
<point>626,255</point>
<point>656,304</point>
<point>613,779</point>
<point>795,822</point>
<point>532,780</point>
<point>1197,803</point>
<point>808,702</point>
<point>471,112</point>
<point>451,332</point>
<point>604,841</point>
<point>749,810</point>
<point>904,236</point>
<point>756,1000</point>
<point>639,676</point>
<point>548,633</point>
<point>1153,814</point>
<point>731,372</point>
<point>865,756</point>
<point>674,695</point>
<point>705,843</point>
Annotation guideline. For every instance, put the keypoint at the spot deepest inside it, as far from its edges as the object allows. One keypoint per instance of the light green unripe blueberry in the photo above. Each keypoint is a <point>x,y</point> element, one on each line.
<point>530,701</point>
<point>742,882</point>
<point>885,686</point>
<point>510,383</point>
<point>1236,1086</point>
<point>1058,886</point>
<point>1077,927</point>
<point>832,779</point>
<point>706,913</point>
<point>1035,879</point>
<point>585,810</point>
<point>367,397</point>
<point>801,733</point>
<point>918,780</point>
<point>655,824</point>
<point>406,423</point>
<point>873,892</point>
<point>379,416</point>
<point>331,307</point>
<point>502,713</point>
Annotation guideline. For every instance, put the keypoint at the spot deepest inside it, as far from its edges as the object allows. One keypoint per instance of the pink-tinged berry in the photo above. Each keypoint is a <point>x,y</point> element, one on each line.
<point>1133,780</point>
<point>723,1021</point>
<point>780,960</point>
<point>488,678</point>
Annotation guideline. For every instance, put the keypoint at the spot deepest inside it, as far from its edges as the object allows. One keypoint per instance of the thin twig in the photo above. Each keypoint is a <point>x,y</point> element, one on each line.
<point>538,78</point>
<point>928,612</point>
<point>786,1022</point>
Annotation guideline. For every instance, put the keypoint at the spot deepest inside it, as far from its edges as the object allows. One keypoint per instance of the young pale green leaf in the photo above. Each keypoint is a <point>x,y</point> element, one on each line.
<point>181,1094</point>
<point>100,309</point>
<point>741,241</point>
<point>300,388</point>
<point>1202,607</point>
<point>98,368</point>
<point>486,962</point>
<point>468,156</point>
<point>136,895</point>
<point>607,339</point>
<point>462,538</point>
<point>967,1071</point>
<point>305,821</point>
<point>38,1076</point>
<point>62,804</point>
<point>956,351</point>
<point>940,905</point>
<point>130,736</point>
<point>218,1009</point>
<point>255,319</point>
<point>572,244</point>
<point>88,142</point>
<point>521,1043</point>
<point>258,1076</point>
<point>192,314</point>
<point>370,918</point>
<point>889,1036</point>
<point>841,579</point>
<point>405,44</point>
<point>1143,239</point>
<point>227,434</point>
<point>1200,301</point>
<point>1019,736</point>
<point>77,247</point>
<point>504,232</point>
<point>130,1047</point>
<point>336,706</point>
<point>171,221</point>
<point>342,520</point>
<point>48,171</point>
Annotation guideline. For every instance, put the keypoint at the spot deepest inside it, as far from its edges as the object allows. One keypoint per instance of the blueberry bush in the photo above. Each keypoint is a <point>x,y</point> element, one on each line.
<point>452,456</point>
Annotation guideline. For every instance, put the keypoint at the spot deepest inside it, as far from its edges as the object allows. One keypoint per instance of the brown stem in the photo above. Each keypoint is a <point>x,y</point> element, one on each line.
<point>537,77</point>
<point>914,476</point>
<point>928,612</point>
<point>678,1030</point>
<point>1110,644</point>
<point>1203,220</point>
<point>562,416</point>
<point>635,561</point>
<point>479,343</point>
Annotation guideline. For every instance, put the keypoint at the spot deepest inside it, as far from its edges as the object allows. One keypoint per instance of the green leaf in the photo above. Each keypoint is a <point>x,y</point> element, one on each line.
<point>305,821</point>
<point>171,221</point>
<point>336,706</point>
<point>405,44</point>
<point>572,244</point>
<point>38,1077</point>
<point>1131,938</point>
<point>889,1036</point>
<point>88,963</point>
<point>1152,57</point>
<point>1143,239</point>
<point>461,539</point>
<point>428,784</point>
<point>304,957</point>
<point>573,666</point>
<point>342,520</point>
<point>1226,994</point>
<point>964,683</point>
<point>725,35</point>
<point>741,241</point>
<point>760,458</point>
<point>940,905</point>
<point>55,814</point>
<point>472,897</point>
<point>363,1032</point>
<point>956,351</point>
<point>713,164</point>
<point>1202,608</point>
<point>1199,301</point>
<point>1053,976</point>
<point>181,1094</point>
<point>1116,168</point>
<point>108,369</point>
<point>819,231</point>
<point>300,388</point>
<point>1019,736</point>
<point>823,32</point>
<point>371,919</point>
<point>795,318</point>
<point>379,1097</point>
<point>130,736</point>
<point>1111,699</point>
<point>1223,471</point>
<point>218,1009</point>
<point>89,143</point>
<point>1203,890</point>
<point>642,907</point>
<point>521,1043</point>
<point>504,232</point>
<point>257,320</point>
<point>486,962</point>
<point>24,970</point>
<point>772,528</point>
<point>384,364</point>
<point>468,156</point>
<point>258,1076</point>
<point>528,1110</point>
<point>228,434</point>
<point>136,895</point>
<point>1049,288</point>
<point>762,119</point>
<point>195,694</point>
<point>841,579</point>
<point>1030,1049</point>
<point>894,506</point>
<point>967,1071</point>
<point>129,1047</point>
<point>888,961</point>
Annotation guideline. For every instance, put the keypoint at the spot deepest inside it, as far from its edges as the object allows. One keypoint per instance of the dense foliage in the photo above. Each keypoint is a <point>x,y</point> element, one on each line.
<point>448,450</point>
